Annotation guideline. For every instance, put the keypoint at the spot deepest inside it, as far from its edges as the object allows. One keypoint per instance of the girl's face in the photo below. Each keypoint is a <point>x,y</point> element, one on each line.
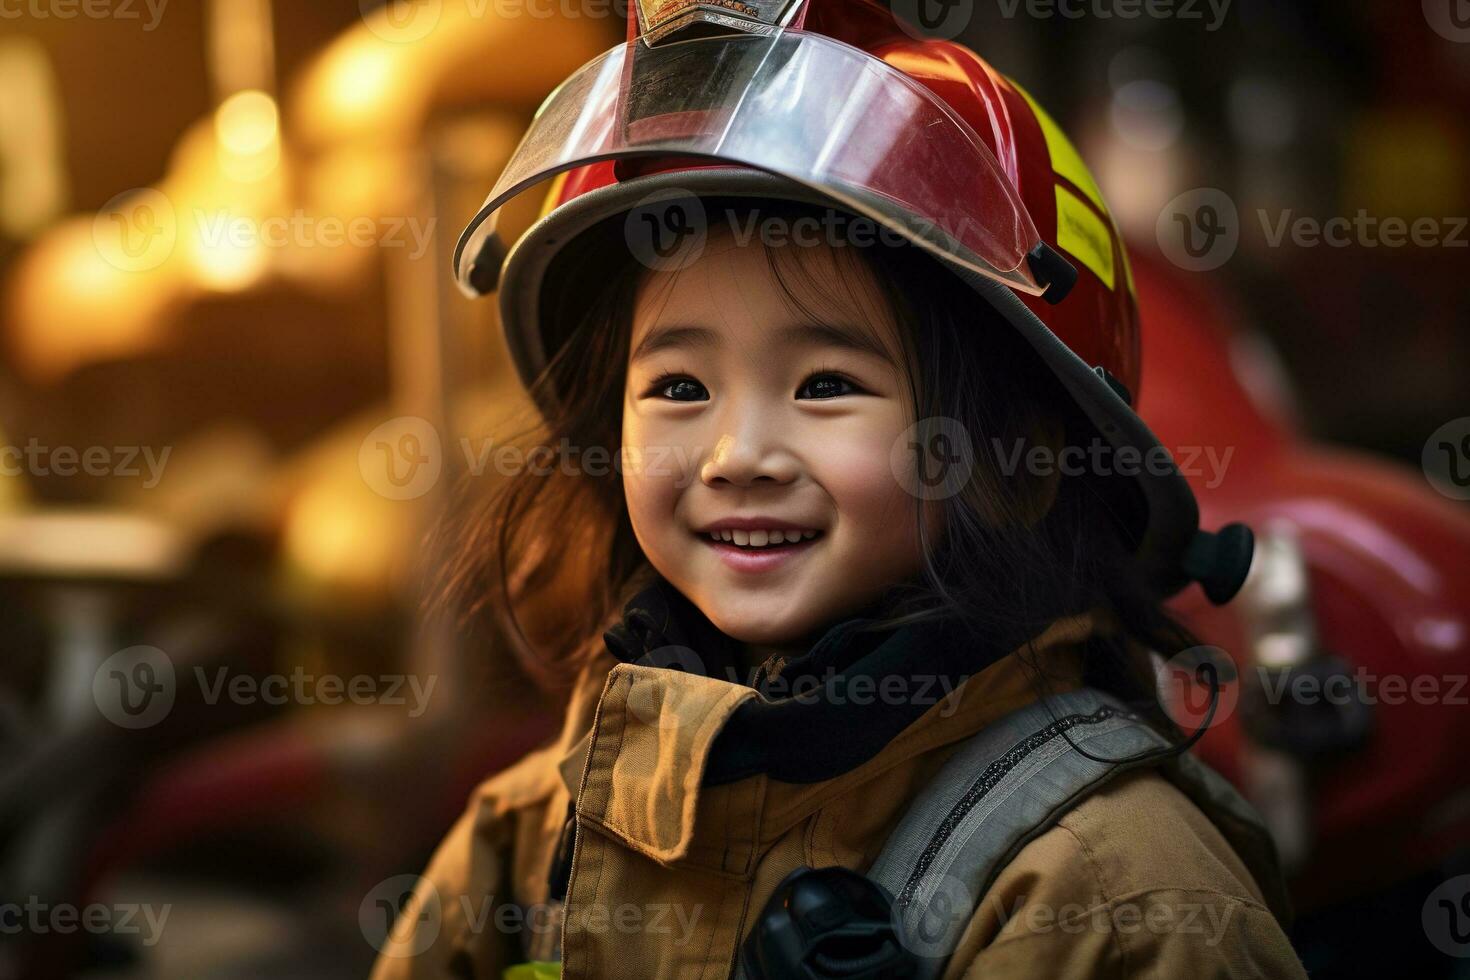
<point>744,416</point>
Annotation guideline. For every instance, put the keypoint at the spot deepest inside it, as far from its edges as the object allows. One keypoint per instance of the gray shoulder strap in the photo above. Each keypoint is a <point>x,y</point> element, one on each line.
<point>1005,786</point>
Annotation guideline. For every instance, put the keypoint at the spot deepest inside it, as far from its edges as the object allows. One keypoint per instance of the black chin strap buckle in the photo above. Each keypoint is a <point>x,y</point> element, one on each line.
<point>1219,562</point>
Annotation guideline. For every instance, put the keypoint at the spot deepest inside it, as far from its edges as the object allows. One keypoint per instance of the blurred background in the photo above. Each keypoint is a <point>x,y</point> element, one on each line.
<point>237,387</point>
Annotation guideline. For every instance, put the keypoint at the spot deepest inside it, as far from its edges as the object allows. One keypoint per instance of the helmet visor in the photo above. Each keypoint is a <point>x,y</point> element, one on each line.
<point>801,106</point>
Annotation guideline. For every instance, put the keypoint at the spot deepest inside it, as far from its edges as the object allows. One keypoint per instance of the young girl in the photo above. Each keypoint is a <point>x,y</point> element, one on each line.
<point>844,570</point>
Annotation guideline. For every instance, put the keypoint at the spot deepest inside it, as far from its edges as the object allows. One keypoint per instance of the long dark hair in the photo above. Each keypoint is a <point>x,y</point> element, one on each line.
<point>545,563</point>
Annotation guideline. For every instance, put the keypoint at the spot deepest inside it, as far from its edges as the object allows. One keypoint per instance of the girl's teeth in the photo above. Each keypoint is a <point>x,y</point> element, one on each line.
<point>760,539</point>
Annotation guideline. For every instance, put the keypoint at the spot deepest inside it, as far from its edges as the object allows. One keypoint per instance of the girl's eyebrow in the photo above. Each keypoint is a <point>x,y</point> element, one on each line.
<point>837,335</point>
<point>809,334</point>
<point>666,338</point>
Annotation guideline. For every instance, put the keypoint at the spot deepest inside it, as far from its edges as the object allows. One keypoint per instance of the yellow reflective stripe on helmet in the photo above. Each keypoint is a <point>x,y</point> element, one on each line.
<point>1086,236</point>
<point>1079,230</point>
<point>535,970</point>
<point>1065,159</point>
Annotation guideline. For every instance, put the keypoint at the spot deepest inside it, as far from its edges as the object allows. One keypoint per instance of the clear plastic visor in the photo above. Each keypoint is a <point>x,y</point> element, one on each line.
<point>801,106</point>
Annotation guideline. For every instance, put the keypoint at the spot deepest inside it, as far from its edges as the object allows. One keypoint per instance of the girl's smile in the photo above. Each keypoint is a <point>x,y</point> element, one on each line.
<point>775,373</point>
<point>759,544</point>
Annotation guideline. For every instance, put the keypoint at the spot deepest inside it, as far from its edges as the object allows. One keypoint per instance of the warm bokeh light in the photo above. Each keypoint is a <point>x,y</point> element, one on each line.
<point>87,543</point>
<point>247,125</point>
<point>247,122</point>
<point>359,79</point>
<point>32,174</point>
<point>241,45</point>
<point>70,305</point>
<point>339,536</point>
<point>225,264</point>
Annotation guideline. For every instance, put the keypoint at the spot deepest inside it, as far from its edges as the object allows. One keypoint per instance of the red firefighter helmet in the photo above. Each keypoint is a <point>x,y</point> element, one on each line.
<point>834,102</point>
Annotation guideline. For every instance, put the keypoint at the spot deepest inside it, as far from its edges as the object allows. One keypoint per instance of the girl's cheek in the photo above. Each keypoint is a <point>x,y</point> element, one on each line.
<point>655,466</point>
<point>854,465</point>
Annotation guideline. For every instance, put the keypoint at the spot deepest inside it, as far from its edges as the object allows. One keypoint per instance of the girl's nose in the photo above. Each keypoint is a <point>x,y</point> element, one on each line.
<point>749,456</point>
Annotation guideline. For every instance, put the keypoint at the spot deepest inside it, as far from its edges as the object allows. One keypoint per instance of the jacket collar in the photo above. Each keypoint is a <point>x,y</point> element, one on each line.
<point>819,715</point>
<point>687,768</point>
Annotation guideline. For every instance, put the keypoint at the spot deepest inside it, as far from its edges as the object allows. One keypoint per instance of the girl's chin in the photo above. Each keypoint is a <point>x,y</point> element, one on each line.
<point>755,626</point>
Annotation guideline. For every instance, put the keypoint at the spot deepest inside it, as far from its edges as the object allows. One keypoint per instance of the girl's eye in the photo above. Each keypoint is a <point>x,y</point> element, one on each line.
<point>825,386</point>
<point>683,390</point>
